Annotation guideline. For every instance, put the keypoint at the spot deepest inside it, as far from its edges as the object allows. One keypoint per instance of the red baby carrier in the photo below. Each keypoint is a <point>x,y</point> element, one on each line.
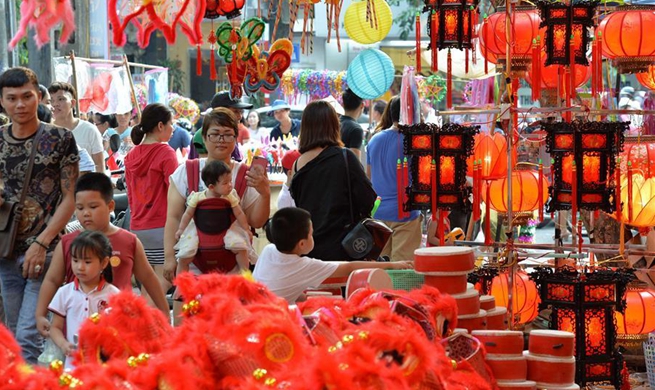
<point>213,217</point>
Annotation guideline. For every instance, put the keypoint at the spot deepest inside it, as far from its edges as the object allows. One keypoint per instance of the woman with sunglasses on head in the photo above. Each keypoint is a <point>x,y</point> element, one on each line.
<point>220,130</point>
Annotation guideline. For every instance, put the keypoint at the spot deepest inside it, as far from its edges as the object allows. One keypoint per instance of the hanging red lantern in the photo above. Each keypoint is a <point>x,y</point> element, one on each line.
<point>525,298</point>
<point>525,30</point>
<point>639,317</point>
<point>525,192</point>
<point>490,151</point>
<point>642,157</point>
<point>647,78</point>
<point>626,38</point>
<point>228,8</point>
<point>549,75</point>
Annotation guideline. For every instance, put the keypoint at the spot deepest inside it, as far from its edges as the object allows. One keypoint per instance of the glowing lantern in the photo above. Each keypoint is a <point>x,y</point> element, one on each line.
<point>642,157</point>
<point>639,317</point>
<point>550,78</point>
<point>362,27</point>
<point>647,79</point>
<point>525,29</point>
<point>491,151</point>
<point>525,192</point>
<point>626,38</point>
<point>638,201</point>
<point>525,298</point>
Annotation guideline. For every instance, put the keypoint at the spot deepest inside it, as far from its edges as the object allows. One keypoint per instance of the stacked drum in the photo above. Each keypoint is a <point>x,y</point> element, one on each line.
<point>505,358</point>
<point>551,363</point>
<point>496,315</point>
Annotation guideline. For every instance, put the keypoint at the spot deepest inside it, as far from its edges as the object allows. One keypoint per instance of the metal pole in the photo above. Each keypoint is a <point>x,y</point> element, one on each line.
<point>12,30</point>
<point>510,145</point>
<point>3,36</point>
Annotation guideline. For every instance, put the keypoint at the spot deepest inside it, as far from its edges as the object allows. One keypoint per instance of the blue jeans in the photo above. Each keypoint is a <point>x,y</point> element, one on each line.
<point>19,297</point>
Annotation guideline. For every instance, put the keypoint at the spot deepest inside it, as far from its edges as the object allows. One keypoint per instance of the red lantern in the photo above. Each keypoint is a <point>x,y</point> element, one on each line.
<point>525,192</point>
<point>627,39</point>
<point>641,156</point>
<point>491,152</point>
<point>647,79</point>
<point>525,298</point>
<point>549,75</point>
<point>525,29</point>
<point>228,8</point>
<point>639,317</point>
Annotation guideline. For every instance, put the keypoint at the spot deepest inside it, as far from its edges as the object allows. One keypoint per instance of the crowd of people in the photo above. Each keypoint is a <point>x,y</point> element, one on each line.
<point>186,213</point>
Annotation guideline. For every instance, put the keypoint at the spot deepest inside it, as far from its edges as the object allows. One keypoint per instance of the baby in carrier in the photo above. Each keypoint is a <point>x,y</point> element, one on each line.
<point>217,177</point>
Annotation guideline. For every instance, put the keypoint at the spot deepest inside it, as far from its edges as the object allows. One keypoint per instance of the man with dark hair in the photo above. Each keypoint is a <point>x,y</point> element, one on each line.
<point>352,134</point>
<point>48,205</point>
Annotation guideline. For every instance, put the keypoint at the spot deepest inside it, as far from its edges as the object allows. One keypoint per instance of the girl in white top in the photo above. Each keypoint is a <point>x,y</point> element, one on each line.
<point>257,134</point>
<point>217,176</point>
<point>87,294</point>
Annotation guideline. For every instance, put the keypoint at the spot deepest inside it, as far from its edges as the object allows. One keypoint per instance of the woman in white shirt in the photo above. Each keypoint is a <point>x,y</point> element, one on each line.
<point>257,133</point>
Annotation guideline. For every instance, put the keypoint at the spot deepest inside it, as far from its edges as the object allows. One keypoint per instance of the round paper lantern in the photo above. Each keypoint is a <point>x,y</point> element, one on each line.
<point>491,150</point>
<point>370,74</point>
<point>525,299</point>
<point>525,192</point>
<point>626,38</point>
<point>639,317</point>
<point>228,8</point>
<point>642,157</point>
<point>360,30</point>
<point>642,202</point>
<point>525,23</point>
<point>549,76</point>
<point>647,79</point>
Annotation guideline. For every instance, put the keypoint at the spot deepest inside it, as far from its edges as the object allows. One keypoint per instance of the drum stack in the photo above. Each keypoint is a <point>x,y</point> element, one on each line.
<point>505,358</point>
<point>496,315</point>
<point>551,363</point>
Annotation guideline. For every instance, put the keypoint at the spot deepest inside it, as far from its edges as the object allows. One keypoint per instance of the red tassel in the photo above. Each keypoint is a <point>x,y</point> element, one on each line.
<point>198,61</point>
<point>629,200</point>
<point>486,51</point>
<point>599,76</point>
<point>572,69</point>
<point>466,60</point>
<point>440,229</point>
<point>535,80</point>
<point>433,171</point>
<point>617,189</point>
<point>405,183</point>
<point>433,43</point>
<point>476,191</point>
<point>399,188</point>
<point>212,56</point>
<point>594,69</point>
<point>539,65</point>
<point>418,42</point>
<point>552,182</point>
<point>541,192</point>
<point>449,82</point>
<point>574,196</point>
<point>487,217</point>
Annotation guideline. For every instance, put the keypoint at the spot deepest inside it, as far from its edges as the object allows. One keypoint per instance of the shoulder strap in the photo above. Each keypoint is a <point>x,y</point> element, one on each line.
<point>240,182</point>
<point>192,175</point>
<point>30,165</point>
<point>350,197</point>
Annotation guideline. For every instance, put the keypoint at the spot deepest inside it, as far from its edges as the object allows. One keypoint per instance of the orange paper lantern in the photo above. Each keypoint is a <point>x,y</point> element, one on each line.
<point>639,317</point>
<point>491,150</point>
<point>641,204</point>
<point>642,157</point>
<point>525,299</point>
<point>525,192</point>
<point>647,79</point>
<point>626,39</point>
<point>550,78</point>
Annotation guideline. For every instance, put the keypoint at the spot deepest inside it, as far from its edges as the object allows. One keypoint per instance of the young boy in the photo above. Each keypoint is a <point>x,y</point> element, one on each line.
<point>281,266</point>
<point>93,206</point>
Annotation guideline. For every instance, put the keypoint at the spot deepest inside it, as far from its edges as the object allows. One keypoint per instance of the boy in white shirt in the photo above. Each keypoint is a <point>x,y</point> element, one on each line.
<point>281,266</point>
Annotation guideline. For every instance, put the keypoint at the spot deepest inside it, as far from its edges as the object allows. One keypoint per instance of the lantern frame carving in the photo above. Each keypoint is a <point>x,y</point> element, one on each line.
<point>563,21</point>
<point>424,142</point>
<point>584,303</point>
<point>459,13</point>
<point>589,145</point>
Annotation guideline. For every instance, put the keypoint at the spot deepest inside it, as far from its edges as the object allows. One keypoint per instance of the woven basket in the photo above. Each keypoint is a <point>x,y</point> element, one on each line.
<point>405,279</point>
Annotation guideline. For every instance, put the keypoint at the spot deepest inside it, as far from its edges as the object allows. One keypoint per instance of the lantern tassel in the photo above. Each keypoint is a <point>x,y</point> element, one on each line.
<point>629,200</point>
<point>487,217</point>
<point>433,199</point>
<point>594,64</point>
<point>198,61</point>
<point>539,62</point>
<point>418,42</point>
<point>572,69</point>
<point>574,195</point>
<point>399,188</point>
<point>541,193</point>
<point>486,51</point>
<point>552,183</point>
<point>535,64</point>
<point>433,43</point>
<point>599,76</point>
<point>449,82</point>
<point>617,190</point>
<point>212,54</point>
<point>440,228</point>
<point>476,194</point>
<point>405,183</point>
<point>466,61</point>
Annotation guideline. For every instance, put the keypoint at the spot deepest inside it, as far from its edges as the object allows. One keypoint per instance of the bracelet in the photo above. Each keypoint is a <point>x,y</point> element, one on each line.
<point>40,244</point>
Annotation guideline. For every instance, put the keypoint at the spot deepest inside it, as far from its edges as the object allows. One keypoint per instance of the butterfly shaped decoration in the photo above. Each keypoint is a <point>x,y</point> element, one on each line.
<point>43,16</point>
<point>265,69</point>
<point>237,42</point>
<point>166,15</point>
<point>121,13</point>
<point>96,94</point>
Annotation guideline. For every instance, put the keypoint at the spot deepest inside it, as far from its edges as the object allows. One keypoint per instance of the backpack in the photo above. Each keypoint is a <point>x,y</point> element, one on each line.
<point>213,218</point>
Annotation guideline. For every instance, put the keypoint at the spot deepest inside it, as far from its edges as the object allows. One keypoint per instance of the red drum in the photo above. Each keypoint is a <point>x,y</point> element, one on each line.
<point>549,371</point>
<point>497,318</point>
<point>376,279</point>
<point>572,386</point>
<point>472,322</point>
<point>501,342</point>
<point>508,368</point>
<point>444,259</point>
<point>555,343</point>
<point>522,385</point>
<point>468,302</point>
<point>487,302</point>
<point>447,282</point>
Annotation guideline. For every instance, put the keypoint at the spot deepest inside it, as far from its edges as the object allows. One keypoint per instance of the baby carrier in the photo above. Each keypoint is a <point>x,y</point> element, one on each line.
<point>213,217</point>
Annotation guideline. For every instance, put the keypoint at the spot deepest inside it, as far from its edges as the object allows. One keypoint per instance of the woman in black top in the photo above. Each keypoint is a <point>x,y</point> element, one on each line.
<point>319,184</point>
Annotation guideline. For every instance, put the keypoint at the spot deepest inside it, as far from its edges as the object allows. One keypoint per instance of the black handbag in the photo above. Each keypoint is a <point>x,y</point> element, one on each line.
<point>367,237</point>
<point>12,212</point>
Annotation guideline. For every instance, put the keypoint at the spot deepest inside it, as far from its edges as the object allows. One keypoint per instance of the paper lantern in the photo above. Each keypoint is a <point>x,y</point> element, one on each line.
<point>228,8</point>
<point>370,74</point>
<point>642,157</point>
<point>647,78</point>
<point>364,28</point>
<point>627,38</point>
<point>525,23</point>
<point>638,199</point>
<point>639,316</point>
<point>550,78</point>
<point>525,298</point>
<point>491,152</point>
<point>525,192</point>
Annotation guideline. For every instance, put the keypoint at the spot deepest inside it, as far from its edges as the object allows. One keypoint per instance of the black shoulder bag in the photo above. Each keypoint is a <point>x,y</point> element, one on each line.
<point>12,212</point>
<point>367,237</point>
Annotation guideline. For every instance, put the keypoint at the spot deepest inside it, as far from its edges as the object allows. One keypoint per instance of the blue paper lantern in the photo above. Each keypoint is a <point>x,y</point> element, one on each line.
<point>370,74</point>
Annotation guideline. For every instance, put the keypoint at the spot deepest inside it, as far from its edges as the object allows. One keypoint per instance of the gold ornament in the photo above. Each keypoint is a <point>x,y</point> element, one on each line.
<point>343,366</point>
<point>131,361</point>
<point>95,318</point>
<point>347,338</point>
<point>57,366</point>
<point>270,382</point>
<point>191,308</point>
<point>363,335</point>
<point>65,379</point>
<point>454,363</point>
<point>259,373</point>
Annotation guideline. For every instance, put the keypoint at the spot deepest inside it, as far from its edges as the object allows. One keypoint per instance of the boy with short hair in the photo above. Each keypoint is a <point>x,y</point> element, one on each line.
<point>93,205</point>
<point>281,266</point>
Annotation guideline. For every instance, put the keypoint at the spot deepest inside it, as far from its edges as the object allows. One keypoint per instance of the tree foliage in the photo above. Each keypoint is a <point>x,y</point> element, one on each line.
<point>406,20</point>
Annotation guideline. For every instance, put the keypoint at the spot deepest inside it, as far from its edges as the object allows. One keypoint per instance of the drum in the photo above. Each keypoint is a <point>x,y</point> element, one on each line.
<point>376,279</point>
<point>468,302</point>
<point>444,259</point>
<point>554,343</point>
<point>508,368</point>
<point>473,322</point>
<point>497,318</point>
<point>548,371</point>
<point>447,282</point>
<point>522,385</point>
<point>487,302</point>
<point>501,342</point>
